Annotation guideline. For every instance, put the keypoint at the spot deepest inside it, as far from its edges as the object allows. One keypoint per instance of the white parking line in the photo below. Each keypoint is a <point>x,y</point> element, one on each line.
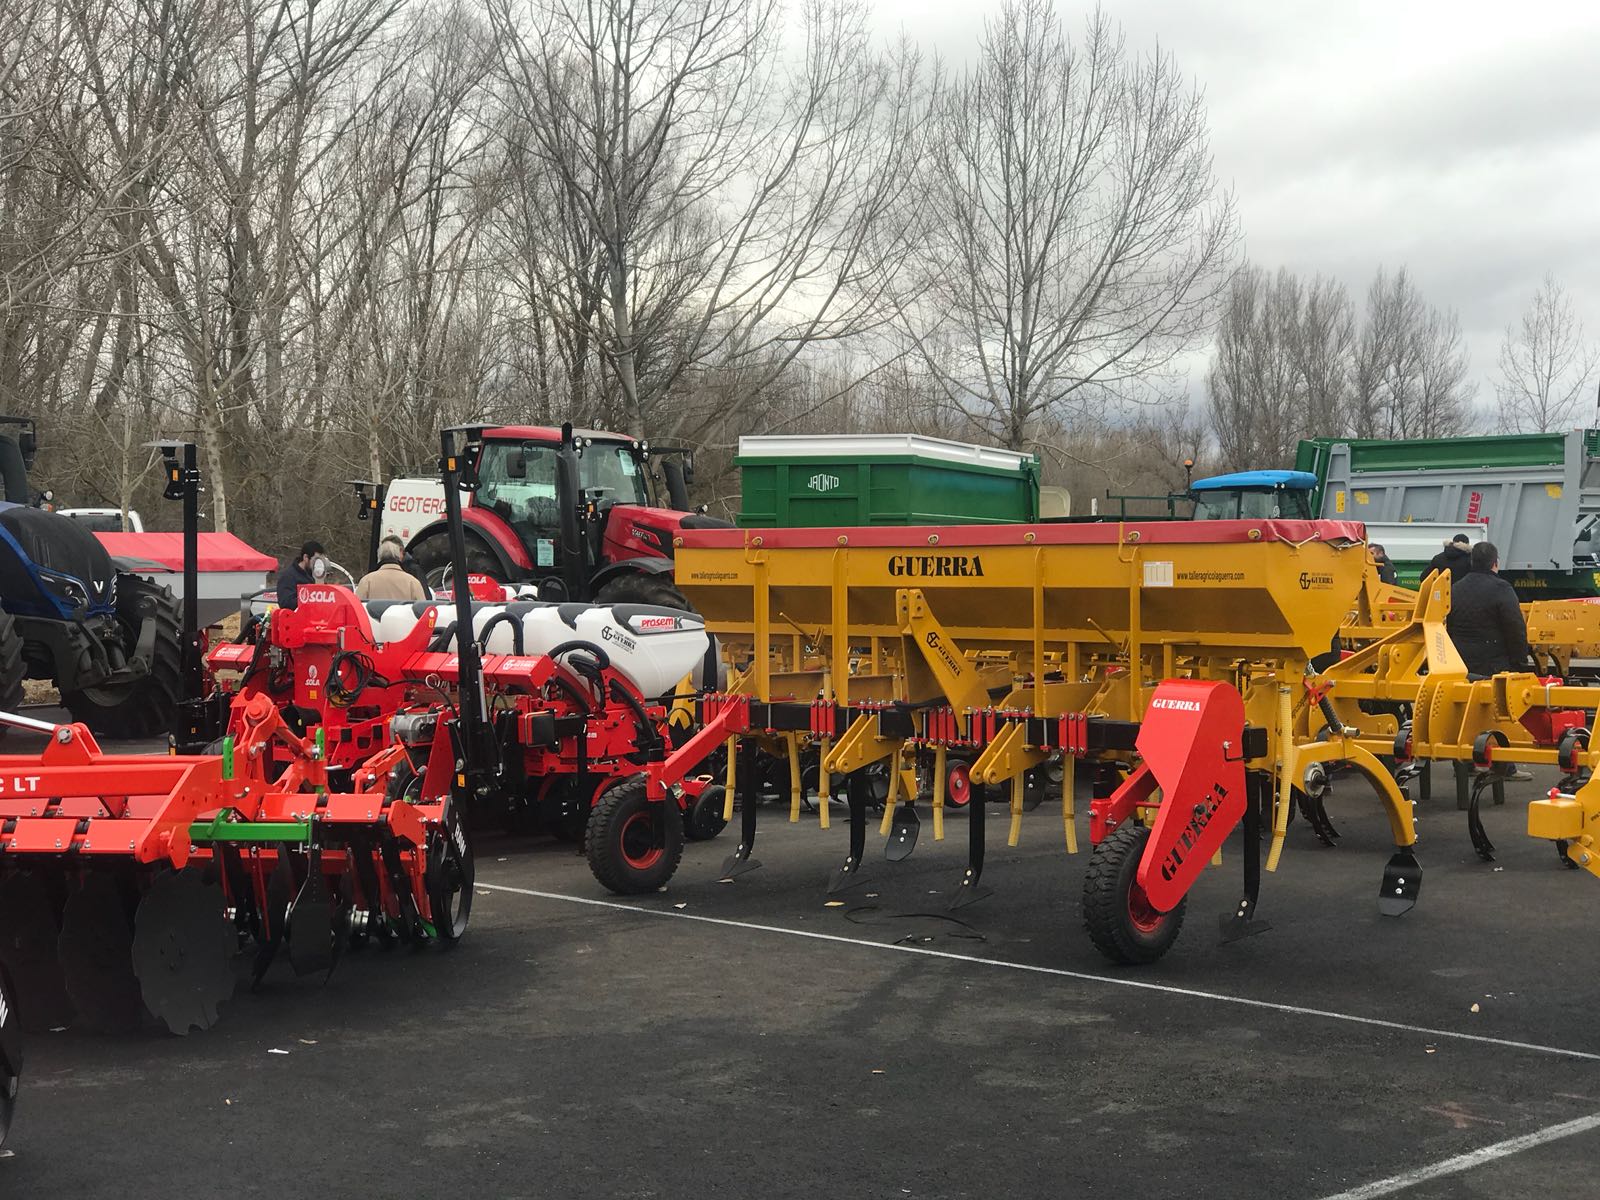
<point>1465,1162</point>
<point>1061,973</point>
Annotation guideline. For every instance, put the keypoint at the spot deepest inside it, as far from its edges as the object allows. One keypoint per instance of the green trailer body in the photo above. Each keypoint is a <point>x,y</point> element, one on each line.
<point>882,479</point>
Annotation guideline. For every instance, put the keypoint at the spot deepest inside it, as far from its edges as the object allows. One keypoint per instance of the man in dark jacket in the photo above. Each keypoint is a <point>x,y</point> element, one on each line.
<point>1485,620</point>
<point>301,570</point>
<point>1380,558</point>
<point>1455,558</point>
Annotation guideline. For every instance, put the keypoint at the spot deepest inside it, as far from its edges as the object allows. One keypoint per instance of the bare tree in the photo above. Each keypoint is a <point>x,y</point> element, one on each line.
<point>1079,240</point>
<point>732,167</point>
<point>1545,365</point>
<point>1411,365</point>
<point>1281,369</point>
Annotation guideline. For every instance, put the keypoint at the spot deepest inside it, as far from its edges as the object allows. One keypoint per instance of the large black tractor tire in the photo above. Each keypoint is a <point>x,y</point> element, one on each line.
<point>630,849</point>
<point>148,707</point>
<point>1120,920</point>
<point>638,588</point>
<point>12,669</point>
<point>433,559</point>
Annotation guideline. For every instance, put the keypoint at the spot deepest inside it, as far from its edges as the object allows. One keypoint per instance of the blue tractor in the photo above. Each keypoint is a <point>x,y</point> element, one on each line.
<point>109,639</point>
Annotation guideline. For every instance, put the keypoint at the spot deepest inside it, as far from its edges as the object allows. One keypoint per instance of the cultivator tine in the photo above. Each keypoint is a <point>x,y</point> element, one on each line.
<point>241,895</point>
<point>30,927</point>
<point>366,879</point>
<point>858,790</point>
<point>411,927</point>
<point>279,892</point>
<point>740,861</point>
<point>312,928</point>
<point>1402,882</point>
<point>903,833</point>
<point>1475,829</point>
<point>1314,809</point>
<point>96,952</point>
<point>182,944</point>
<point>1242,921</point>
<point>971,890</point>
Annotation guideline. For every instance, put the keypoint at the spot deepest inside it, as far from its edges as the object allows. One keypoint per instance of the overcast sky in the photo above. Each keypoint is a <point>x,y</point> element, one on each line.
<point>1459,139</point>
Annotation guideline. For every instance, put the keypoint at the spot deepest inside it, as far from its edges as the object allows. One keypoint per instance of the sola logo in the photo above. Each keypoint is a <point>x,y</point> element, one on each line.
<point>1180,705</point>
<point>823,483</point>
<point>318,595</point>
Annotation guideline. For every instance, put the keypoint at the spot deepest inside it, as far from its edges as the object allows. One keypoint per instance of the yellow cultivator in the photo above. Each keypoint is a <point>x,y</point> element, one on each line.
<point>1173,660</point>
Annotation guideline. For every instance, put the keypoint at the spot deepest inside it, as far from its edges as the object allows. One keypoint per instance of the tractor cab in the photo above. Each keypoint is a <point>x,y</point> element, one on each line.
<point>580,514</point>
<point>1254,495</point>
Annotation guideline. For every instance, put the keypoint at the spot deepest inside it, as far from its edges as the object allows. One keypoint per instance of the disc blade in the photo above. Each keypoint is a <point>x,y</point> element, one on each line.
<point>182,943</point>
<point>10,1054</point>
<point>449,878</point>
<point>96,952</point>
<point>29,927</point>
<point>280,890</point>
<point>312,925</point>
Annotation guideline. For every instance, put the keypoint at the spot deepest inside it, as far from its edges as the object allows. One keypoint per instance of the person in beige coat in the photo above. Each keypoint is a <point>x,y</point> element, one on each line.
<point>390,581</point>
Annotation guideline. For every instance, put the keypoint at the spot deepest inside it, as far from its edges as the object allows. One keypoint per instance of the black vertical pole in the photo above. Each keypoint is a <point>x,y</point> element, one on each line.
<point>193,681</point>
<point>374,506</point>
<point>461,587</point>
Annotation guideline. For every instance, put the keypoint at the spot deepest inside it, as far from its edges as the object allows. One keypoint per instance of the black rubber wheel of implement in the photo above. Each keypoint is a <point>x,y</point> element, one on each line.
<point>449,876</point>
<point>631,849</point>
<point>1121,922</point>
<point>638,588</point>
<point>703,819</point>
<point>148,706</point>
<point>957,785</point>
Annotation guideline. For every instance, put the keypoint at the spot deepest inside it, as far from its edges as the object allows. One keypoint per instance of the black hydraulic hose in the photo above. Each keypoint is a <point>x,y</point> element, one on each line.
<point>516,631</point>
<point>573,694</point>
<point>649,739</point>
<point>601,658</point>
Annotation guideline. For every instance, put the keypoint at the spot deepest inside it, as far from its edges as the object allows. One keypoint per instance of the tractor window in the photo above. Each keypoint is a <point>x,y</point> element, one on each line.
<point>614,468</point>
<point>525,498</point>
<point>1228,505</point>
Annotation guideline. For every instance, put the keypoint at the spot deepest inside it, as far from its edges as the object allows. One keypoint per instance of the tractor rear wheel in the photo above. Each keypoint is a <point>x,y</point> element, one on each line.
<point>639,588</point>
<point>632,850</point>
<point>149,705</point>
<point>1119,917</point>
<point>12,669</point>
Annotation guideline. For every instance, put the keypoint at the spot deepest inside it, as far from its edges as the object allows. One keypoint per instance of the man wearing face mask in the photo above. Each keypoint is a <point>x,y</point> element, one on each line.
<point>310,567</point>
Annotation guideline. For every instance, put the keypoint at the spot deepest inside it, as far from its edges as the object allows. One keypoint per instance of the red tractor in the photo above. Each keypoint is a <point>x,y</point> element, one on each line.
<point>576,513</point>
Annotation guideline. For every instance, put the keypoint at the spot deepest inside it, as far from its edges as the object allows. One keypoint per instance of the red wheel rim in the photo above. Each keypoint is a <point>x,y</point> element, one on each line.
<point>1141,913</point>
<point>958,786</point>
<point>637,841</point>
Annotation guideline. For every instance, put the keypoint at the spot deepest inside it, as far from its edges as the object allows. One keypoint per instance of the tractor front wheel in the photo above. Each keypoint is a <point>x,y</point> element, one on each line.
<point>148,705</point>
<point>12,668</point>
<point>1121,921</point>
<point>633,845</point>
<point>635,587</point>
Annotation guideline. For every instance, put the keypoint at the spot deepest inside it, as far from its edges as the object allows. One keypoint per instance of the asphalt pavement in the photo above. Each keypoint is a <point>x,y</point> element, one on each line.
<point>748,1039</point>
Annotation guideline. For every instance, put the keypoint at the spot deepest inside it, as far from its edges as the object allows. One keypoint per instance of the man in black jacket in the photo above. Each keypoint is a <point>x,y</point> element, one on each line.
<point>1380,557</point>
<point>1485,620</point>
<point>302,570</point>
<point>1455,558</point>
